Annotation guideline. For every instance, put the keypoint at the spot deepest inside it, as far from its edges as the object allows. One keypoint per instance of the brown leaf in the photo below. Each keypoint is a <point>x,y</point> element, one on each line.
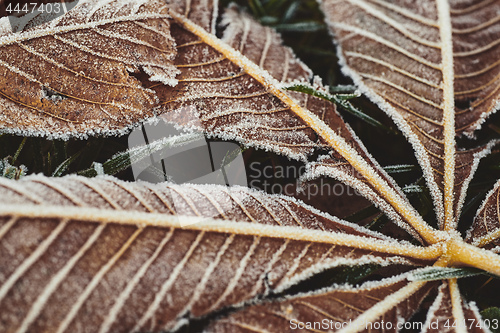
<point>75,75</point>
<point>477,75</point>
<point>104,255</point>
<point>114,256</point>
<point>231,96</point>
<point>203,12</point>
<point>421,65</point>
<point>449,313</point>
<point>485,231</point>
<point>263,46</point>
<point>372,307</point>
<point>231,102</point>
<point>234,99</point>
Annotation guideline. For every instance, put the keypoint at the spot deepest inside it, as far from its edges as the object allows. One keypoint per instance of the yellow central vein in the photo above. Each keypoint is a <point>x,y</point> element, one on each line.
<point>332,138</point>
<point>382,307</point>
<point>445,32</point>
<point>200,223</point>
<point>461,253</point>
<point>456,306</point>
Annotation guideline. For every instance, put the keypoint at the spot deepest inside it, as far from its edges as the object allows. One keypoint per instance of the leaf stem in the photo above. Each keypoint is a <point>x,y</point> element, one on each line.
<point>448,120</point>
<point>96,215</point>
<point>456,306</point>
<point>460,252</point>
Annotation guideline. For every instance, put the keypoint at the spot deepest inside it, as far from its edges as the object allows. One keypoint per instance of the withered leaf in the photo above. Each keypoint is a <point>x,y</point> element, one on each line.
<point>74,75</point>
<point>105,255</point>
<point>233,98</point>
<point>203,12</point>
<point>372,307</point>
<point>113,256</point>
<point>456,318</point>
<point>485,231</point>
<point>263,46</point>
<point>231,95</point>
<point>433,67</point>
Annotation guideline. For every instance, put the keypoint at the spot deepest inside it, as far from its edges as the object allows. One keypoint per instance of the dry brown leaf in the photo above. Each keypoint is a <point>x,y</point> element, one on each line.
<point>443,318</point>
<point>372,307</point>
<point>232,96</point>
<point>203,12</point>
<point>74,76</point>
<point>224,84</point>
<point>485,231</point>
<point>422,63</point>
<point>111,256</point>
<point>235,99</point>
<point>263,46</point>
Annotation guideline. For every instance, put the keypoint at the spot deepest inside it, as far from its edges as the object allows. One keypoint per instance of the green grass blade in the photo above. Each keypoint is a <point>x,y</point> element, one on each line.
<point>300,27</point>
<point>18,151</point>
<point>61,168</point>
<point>439,273</point>
<point>400,168</point>
<point>125,159</point>
<point>307,89</point>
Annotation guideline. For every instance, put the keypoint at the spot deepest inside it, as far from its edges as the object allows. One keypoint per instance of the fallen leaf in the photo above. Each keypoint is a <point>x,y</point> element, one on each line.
<point>239,247</point>
<point>113,256</point>
<point>74,75</point>
<point>420,66</point>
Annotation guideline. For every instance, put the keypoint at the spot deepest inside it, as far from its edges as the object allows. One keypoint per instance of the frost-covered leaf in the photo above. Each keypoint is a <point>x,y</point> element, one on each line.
<point>232,87</point>
<point>113,256</point>
<point>235,97</point>
<point>263,46</point>
<point>371,307</point>
<point>105,255</point>
<point>485,230</point>
<point>423,63</point>
<point>74,75</point>
<point>449,312</point>
<point>203,12</point>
